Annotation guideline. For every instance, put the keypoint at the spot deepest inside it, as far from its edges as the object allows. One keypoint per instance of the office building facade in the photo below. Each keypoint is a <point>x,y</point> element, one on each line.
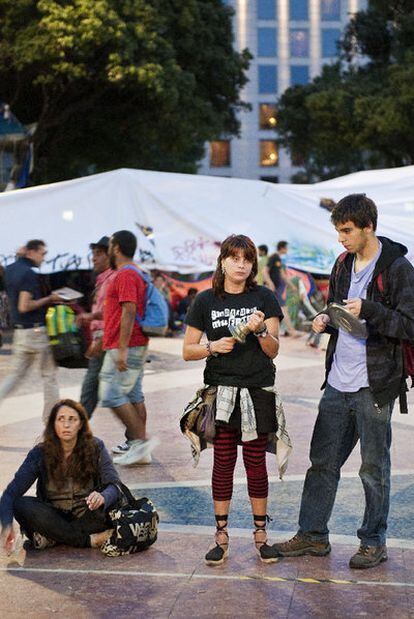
<point>290,40</point>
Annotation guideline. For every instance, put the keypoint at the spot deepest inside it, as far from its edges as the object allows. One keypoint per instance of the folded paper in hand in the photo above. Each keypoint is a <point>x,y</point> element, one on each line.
<point>68,294</point>
<point>342,318</point>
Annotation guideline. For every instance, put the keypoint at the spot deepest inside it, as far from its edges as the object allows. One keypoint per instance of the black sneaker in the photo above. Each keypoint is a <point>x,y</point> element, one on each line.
<point>220,552</point>
<point>368,556</point>
<point>40,542</point>
<point>299,546</point>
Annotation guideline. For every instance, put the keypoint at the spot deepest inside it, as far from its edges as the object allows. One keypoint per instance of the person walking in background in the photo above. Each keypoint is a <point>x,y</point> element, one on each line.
<point>363,378</point>
<point>242,376</point>
<point>161,283</point>
<point>125,345</point>
<point>28,314</point>
<point>94,319</point>
<point>4,307</point>
<point>262,259</point>
<point>276,278</point>
<point>185,303</point>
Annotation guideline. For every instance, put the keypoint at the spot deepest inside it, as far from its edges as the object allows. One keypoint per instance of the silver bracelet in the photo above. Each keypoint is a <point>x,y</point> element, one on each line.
<point>262,333</point>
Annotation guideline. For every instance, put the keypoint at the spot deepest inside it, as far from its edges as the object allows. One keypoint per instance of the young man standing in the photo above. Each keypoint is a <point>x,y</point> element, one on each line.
<point>28,312</point>
<point>363,379</point>
<point>126,349</point>
<point>94,319</point>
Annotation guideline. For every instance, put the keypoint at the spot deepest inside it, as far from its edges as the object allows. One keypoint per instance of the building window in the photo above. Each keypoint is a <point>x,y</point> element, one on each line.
<point>267,78</point>
<point>270,179</point>
<point>299,75</point>
<point>267,116</point>
<point>220,154</point>
<point>297,159</point>
<point>266,41</point>
<point>330,38</point>
<point>330,10</point>
<point>266,9</point>
<point>269,155</point>
<point>299,43</point>
<point>298,10</point>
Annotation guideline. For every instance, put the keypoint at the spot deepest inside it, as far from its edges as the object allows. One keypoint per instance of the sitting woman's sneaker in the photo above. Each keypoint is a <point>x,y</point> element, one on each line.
<point>98,539</point>
<point>40,542</point>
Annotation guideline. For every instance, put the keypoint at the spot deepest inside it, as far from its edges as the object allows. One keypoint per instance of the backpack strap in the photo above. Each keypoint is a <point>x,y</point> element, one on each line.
<point>339,263</point>
<point>380,283</point>
<point>147,282</point>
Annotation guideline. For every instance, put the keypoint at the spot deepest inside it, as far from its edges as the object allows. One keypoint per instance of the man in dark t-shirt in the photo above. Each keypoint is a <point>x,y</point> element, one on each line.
<point>275,277</point>
<point>28,312</point>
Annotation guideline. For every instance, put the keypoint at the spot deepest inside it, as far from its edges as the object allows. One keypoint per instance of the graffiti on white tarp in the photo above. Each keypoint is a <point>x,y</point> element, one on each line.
<point>146,256</point>
<point>6,259</point>
<point>64,262</point>
<point>196,251</point>
<point>312,258</point>
<point>59,262</point>
<point>147,231</point>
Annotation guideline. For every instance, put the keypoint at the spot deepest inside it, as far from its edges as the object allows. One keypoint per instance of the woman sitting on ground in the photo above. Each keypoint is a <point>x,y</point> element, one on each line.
<point>76,486</point>
<point>243,376</point>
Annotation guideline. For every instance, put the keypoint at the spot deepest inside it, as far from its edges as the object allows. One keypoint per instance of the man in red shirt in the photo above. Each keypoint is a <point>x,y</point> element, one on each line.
<point>126,348</point>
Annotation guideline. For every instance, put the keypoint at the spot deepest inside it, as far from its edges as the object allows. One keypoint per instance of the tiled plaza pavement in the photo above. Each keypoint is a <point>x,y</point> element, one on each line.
<point>170,579</point>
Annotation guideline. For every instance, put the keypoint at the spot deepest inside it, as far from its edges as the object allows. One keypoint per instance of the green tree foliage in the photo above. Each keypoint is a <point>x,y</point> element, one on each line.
<point>359,113</point>
<point>120,83</point>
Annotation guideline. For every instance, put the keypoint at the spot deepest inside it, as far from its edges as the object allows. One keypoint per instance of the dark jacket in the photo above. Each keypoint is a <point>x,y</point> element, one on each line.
<point>20,277</point>
<point>389,316</point>
<point>33,470</point>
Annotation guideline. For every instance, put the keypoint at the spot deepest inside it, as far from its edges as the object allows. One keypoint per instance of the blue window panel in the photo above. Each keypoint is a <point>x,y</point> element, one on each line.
<point>266,9</point>
<point>266,42</point>
<point>330,10</point>
<point>267,79</point>
<point>330,37</point>
<point>299,43</point>
<point>299,75</point>
<point>298,10</point>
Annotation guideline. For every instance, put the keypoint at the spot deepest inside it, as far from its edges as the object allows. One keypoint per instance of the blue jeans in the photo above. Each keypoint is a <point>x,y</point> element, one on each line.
<point>343,419</point>
<point>90,385</point>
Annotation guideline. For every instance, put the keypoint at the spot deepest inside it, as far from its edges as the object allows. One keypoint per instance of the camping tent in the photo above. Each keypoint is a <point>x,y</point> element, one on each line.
<point>180,219</point>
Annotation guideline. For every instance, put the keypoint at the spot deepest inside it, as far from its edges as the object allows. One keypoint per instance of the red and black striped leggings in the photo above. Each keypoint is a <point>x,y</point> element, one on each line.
<point>225,457</point>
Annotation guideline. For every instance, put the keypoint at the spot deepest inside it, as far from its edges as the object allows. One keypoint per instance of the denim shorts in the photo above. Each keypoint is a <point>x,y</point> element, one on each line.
<point>117,388</point>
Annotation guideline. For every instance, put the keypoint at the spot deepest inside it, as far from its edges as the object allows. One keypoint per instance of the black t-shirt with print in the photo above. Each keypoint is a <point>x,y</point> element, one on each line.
<point>246,365</point>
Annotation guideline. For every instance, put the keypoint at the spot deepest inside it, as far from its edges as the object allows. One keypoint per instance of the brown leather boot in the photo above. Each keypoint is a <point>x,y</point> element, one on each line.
<point>299,546</point>
<point>368,556</point>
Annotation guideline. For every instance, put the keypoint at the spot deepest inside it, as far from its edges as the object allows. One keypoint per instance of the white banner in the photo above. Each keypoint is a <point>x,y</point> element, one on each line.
<point>180,220</point>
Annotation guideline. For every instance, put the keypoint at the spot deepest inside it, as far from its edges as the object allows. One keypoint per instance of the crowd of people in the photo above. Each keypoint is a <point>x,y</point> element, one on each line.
<point>235,327</point>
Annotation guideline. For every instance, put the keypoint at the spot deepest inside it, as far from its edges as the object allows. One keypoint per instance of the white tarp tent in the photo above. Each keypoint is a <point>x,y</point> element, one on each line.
<point>181,219</point>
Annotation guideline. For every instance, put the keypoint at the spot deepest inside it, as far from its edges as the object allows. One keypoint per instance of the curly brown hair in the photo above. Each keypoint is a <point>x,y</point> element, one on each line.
<point>230,247</point>
<point>82,464</point>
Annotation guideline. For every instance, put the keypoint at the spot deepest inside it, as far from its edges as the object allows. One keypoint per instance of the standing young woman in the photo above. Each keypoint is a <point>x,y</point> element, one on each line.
<point>76,485</point>
<point>245,409</point>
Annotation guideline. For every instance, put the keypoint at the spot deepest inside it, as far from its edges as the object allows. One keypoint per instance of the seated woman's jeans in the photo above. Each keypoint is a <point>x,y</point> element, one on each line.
<point>35,515</point>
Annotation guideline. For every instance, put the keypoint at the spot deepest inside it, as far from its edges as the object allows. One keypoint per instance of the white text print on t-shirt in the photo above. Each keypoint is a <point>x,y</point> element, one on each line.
<point>226,317</point>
